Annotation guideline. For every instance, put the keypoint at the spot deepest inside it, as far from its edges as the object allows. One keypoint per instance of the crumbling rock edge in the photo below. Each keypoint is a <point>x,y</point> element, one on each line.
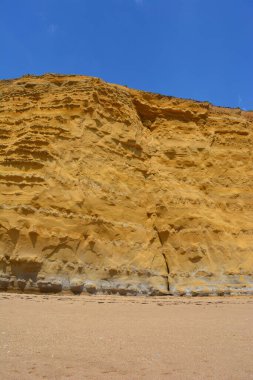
<point>59,284</point>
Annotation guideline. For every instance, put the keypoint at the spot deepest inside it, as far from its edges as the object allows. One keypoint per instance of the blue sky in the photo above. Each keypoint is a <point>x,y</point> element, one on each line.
<point>200,49</point>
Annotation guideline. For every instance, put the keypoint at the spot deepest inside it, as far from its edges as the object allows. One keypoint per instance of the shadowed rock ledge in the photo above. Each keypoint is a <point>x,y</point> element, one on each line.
<point>106,189</point>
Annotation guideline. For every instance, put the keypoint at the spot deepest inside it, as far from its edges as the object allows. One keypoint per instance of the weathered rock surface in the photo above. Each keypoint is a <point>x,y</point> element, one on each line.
<point>116,190</point>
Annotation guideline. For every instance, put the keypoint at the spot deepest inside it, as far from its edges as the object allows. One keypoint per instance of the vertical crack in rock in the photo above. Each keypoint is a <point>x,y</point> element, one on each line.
<point>166,263</point>
<point>161,240</point>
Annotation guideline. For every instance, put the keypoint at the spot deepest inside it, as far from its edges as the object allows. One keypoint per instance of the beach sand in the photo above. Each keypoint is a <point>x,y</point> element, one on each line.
<point>114,337</point>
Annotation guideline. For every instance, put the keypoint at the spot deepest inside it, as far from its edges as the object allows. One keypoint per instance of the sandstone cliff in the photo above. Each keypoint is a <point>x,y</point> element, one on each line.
<point>110,189</point>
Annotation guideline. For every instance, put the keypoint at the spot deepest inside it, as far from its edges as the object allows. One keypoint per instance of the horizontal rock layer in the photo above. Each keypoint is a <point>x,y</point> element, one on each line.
<point>110,189</point>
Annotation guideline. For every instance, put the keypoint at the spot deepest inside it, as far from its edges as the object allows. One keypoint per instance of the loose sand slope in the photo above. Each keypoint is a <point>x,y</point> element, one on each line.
<point>121,190</point>
<point>110,337</point>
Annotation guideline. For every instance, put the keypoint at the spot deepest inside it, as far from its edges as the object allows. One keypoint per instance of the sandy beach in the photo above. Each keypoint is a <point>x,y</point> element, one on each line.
<point>113,337</point>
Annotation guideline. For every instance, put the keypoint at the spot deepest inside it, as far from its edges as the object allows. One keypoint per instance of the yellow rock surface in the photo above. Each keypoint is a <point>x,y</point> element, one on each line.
<point>110,189</point>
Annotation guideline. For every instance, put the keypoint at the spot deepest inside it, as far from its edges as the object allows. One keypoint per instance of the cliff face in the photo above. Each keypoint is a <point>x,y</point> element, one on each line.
<point>105,188</point>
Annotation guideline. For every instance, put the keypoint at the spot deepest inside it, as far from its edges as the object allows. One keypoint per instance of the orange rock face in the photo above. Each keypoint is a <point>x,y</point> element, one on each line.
<point>109,189</point>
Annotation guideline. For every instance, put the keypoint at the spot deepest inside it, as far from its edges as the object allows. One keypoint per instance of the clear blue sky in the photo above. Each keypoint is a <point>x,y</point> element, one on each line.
<point>200,49</point>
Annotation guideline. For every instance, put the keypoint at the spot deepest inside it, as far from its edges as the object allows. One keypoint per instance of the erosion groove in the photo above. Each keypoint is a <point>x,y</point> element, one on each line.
<point>112,190</point>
